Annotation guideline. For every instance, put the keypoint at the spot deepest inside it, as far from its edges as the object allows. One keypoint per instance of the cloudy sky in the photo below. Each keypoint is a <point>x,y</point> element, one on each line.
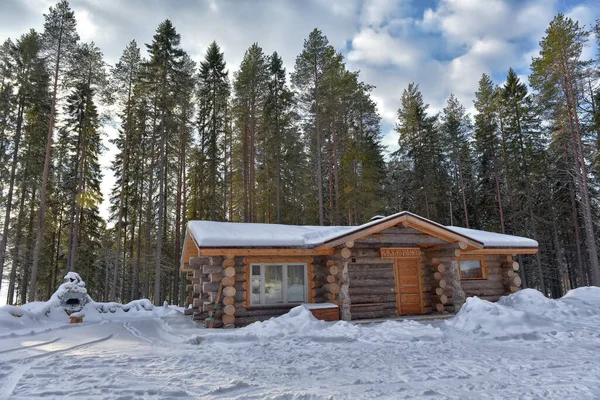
<point>444,45</point>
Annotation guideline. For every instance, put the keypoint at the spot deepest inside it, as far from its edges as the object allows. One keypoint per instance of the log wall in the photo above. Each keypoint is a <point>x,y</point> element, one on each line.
<point>355,277</point>
<point>502,279</point>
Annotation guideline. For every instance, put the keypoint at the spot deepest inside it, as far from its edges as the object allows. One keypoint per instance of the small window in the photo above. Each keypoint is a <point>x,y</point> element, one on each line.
<point>472,268</point>
<point>278,284</point>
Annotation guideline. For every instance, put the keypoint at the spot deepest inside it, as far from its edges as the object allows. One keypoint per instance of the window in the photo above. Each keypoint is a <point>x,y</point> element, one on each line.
<point>472,267</point>
<point>278,284</point>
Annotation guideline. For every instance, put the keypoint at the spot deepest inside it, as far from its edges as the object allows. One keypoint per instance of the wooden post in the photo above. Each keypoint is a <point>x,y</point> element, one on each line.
<point>344,295</point>
<point>458,295</point>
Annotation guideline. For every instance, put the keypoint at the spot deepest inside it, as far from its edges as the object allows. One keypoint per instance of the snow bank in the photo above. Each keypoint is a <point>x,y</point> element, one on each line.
<point>38,314</point>
<point>485,319</point>
<point>529,314</point>
<point>15,318</point>
<point>300,324</point>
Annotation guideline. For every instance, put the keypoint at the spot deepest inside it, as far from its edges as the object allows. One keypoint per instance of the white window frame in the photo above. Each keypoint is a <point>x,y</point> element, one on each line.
<point>284,279</point>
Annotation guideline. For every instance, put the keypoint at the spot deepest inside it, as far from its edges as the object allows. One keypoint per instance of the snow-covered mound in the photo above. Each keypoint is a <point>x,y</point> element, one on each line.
<point>39,314</point>
<point>528,313</point>
<point>300,324</point>
<point>483,318</point>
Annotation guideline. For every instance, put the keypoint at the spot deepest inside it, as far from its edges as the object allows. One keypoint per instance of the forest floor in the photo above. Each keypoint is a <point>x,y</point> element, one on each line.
<point>526,346</point>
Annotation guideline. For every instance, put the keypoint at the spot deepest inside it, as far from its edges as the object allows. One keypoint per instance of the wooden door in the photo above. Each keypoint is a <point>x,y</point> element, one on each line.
<point>408,286</point>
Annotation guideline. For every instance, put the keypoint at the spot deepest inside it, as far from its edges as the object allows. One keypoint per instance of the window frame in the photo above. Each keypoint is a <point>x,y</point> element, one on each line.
<point>284,279</point>
<point>481,259</point>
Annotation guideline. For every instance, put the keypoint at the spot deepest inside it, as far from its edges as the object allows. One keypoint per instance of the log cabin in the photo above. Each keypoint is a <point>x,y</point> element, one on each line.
<point>398,265</point>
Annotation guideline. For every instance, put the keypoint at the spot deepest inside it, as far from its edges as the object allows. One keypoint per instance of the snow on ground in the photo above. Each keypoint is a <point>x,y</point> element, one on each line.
<point>525,346</point>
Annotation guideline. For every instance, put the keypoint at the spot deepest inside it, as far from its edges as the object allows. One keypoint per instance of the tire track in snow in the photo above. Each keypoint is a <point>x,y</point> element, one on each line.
<point>136,333</point>
<point>12,380</point>
<point>40,332</point>
<point>29,347</point>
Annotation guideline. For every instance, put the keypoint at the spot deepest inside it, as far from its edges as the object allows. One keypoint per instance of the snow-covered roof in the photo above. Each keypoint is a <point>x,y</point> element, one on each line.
<point>237,234</point>
<point>492,239</point>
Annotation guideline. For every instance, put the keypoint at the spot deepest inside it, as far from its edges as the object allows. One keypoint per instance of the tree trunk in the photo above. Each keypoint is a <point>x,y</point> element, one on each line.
<point>11,186</point>
<point>44,189</point>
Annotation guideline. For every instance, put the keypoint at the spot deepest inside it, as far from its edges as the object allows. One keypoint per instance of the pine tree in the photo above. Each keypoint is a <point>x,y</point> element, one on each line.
<point>307,78</point>
<point>523,141</point>
<point>488,160</point>
<point>420,142</point>
<point>250,89</point>
<point>456,127</point>
<point>555,75</point>
<point>125,75</point>
<point>165,68</point>
<point>59,41</point>
<point>30,80</point>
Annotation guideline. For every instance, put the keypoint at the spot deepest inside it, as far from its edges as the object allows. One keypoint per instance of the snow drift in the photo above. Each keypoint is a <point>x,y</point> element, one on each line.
<point>38,314</point>
<point>525,315</point>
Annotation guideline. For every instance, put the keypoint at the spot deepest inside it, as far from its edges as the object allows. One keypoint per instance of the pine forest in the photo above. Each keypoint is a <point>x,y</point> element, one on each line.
<point>197,140</point>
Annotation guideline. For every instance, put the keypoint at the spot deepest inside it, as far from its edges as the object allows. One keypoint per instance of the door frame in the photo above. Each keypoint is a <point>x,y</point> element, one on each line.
<point>405,254</point>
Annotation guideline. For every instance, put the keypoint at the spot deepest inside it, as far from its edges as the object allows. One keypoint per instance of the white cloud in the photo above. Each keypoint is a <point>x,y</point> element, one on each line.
<point>376,12</point>
<point>380,48</point>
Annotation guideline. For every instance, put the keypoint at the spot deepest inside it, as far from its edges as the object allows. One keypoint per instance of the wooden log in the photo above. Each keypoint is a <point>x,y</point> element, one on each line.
<point>435,261</point>
<point>346,253</point>
<point>481,284</point>
<point>228,281</point>
<point>513,289</point>
<point>330,279</point>
<point>197,303</point>
<point>198,262</point>
<point>440,307</point>
<point>331,288</point>
<point>228,262</point>
<point>197,273</point>
<point>517,281</point>
<point>438,276</point>
<point>210,286</point>
<point>230,271</point>
<point>368,262</point>
<point>215,277</point>
<point>210,269</point>
<point>386,274</point>
<point>330,263</point>
<point>228,300</point>
<point>228,319</point>
<point>441,268</point>
<point>509,273</point>
<point>331,297</point>
<point>372,282</point>
<point>462,245</point>
<point>350,243</point>
<point>229,291</point>
<point>444,299</point>
<point>377,298</point>
<point>486,292</point>
<point>334,270</point>
<point>439,291</point>
<point>515,266</point>
<point>257,312</point>
<point>197,288</point>
<point>442,283</point>
<point>371,290</point>
<point>229,310</point>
